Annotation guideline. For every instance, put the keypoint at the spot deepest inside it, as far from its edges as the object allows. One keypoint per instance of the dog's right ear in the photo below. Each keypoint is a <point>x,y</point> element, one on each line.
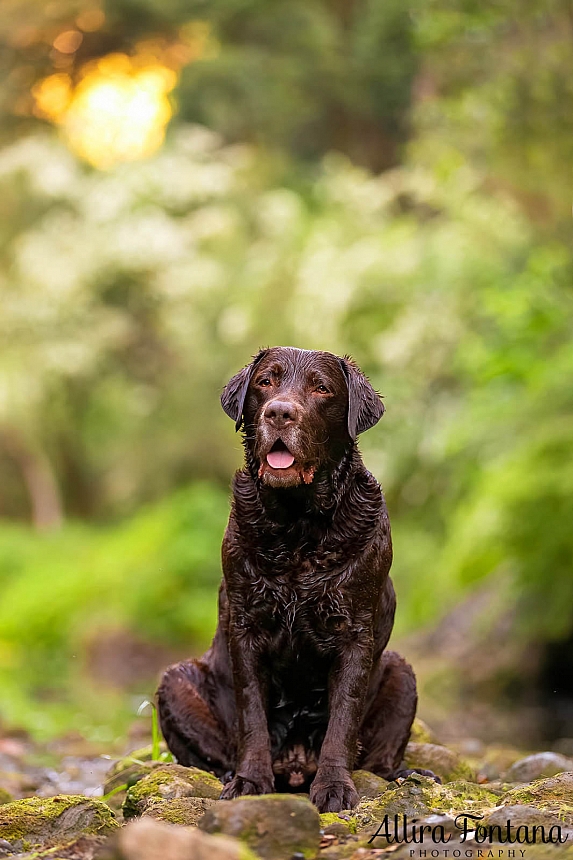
<point>235,391</point>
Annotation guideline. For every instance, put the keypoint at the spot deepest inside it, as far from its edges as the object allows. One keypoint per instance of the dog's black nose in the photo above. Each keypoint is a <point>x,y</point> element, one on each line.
<point>279,413</point>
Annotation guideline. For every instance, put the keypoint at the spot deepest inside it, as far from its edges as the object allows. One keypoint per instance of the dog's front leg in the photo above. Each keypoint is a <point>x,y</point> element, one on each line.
<point>332,788</point>
<point>254,773</point>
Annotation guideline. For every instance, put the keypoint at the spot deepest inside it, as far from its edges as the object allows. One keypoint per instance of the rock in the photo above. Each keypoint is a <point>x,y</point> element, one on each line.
<point>554,795</point>
<point>337,823</point>
<point>275,826</point>
<point>538,766</point>
<point>415,797</point>
<point>445,763</point>
<point>523,815</point>
<point>149,839</point>
<point>368,785</point>
<point>84,848</point>
<point>167,782</point>
<point>5,796</point>
<point>39,821</point>
<point>183,810</point>
<point>419,797</point>
<point>496,761</point>
<point>461,796</point>
<point>421,733</point>
<point>443,829</point>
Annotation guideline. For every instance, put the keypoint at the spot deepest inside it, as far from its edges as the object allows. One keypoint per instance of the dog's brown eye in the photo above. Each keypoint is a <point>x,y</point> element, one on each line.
<point>322,389</point>
<point>264,382</point>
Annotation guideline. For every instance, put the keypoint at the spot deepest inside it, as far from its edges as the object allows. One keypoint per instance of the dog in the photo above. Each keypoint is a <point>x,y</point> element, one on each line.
<point>297,688</point>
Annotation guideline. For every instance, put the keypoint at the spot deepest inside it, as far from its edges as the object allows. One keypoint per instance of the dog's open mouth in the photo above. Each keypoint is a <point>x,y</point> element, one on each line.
<point>279,457</point>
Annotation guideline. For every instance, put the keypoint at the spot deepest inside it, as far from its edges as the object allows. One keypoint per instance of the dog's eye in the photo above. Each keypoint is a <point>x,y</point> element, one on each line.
<point>322,389</point>
<point>264,383</point>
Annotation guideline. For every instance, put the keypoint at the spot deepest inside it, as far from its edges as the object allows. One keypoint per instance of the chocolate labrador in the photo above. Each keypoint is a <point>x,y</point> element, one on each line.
<point>296,689</point>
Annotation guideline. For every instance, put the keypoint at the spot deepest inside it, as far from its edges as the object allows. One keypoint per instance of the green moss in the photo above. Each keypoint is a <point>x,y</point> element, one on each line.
<point>36,821</point>
<point>420,733</point>
<point>328,819</point>
<point>185,811</point>
<point>245,853</point>
<point>415,797</point>
<point>462,796</point>
<point>5,796</point>
<point>419,796</point>
<point>554,794</point>
<point>168,782</point>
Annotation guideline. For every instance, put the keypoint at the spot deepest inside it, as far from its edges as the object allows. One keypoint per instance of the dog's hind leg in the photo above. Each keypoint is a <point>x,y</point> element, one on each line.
<point>390,711</point>
<point>192,718</point>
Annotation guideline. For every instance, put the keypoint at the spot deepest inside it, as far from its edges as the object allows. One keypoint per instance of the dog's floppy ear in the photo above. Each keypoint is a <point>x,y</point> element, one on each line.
<point>365,408</point>
<point>235,391</point>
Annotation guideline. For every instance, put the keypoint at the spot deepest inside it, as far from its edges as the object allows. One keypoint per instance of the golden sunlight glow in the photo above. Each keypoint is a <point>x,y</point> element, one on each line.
<point>119,113</point>
<point>52,96</point>
<point>120,107</point>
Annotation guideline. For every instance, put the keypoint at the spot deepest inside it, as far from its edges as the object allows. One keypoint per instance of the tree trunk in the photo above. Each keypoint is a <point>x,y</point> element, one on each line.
<point>38,477</point>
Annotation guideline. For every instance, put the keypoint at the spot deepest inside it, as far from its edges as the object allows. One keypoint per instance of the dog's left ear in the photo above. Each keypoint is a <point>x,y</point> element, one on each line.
<point>365,408</point>
<point>235,391</point>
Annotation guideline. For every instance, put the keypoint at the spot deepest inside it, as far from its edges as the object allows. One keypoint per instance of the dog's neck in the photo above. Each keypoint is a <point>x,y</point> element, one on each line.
<point>318,500</point>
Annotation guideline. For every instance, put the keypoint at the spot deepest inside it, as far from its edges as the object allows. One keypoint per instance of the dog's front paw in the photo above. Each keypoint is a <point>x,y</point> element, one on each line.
<point>240,785</point>
<point>333,792</point>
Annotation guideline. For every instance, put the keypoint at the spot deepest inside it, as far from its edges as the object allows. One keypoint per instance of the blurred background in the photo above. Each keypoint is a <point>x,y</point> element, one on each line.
<point>182,183</point>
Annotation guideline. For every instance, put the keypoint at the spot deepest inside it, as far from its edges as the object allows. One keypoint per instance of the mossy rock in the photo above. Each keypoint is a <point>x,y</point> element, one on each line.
<point>168,782</point>
<point>414,797</point>
<point>150,839</point>
<point>461,796</point>
<point>554,795</point>
<point>421,733</point>
<point>41,821</point>
<point>5,796</point>
<point>368,785</point>
<point>337,823</point>
<point>522,815</point>
<point>274,826</point>
<point>445,763</point>
<point>538,766</point>
<point>183,810</point>
<point>420,796</point>
<point>84,848</point>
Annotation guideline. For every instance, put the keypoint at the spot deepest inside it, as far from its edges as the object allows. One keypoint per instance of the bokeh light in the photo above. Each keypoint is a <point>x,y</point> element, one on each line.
<point>118,111</point>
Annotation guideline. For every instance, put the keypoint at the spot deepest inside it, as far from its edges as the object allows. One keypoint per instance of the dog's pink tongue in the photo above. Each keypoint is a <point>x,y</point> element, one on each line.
<point>280,459</point>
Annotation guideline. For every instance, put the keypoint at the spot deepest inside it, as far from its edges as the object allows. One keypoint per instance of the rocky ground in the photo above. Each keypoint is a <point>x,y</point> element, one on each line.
<point>67,803</point>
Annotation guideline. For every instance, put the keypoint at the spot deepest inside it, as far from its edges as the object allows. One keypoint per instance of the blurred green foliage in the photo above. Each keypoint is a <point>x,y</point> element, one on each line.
<point>130,296</point>
<point>155,576</point>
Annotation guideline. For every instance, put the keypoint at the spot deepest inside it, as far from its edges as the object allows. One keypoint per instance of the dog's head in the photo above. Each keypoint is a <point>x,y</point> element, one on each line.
<point>299,409</point>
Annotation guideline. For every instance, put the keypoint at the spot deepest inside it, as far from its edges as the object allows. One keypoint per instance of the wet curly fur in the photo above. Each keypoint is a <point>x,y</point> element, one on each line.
<point>297,689</point>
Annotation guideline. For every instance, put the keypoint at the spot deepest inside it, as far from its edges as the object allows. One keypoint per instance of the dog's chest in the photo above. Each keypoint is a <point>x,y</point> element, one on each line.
<point>298,605</point>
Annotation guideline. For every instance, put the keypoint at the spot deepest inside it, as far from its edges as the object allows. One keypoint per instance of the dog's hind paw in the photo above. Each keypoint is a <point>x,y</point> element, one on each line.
<point>240,785</point>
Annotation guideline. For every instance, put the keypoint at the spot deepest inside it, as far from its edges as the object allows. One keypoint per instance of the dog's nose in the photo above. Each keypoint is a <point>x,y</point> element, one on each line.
<point>279,413</point>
